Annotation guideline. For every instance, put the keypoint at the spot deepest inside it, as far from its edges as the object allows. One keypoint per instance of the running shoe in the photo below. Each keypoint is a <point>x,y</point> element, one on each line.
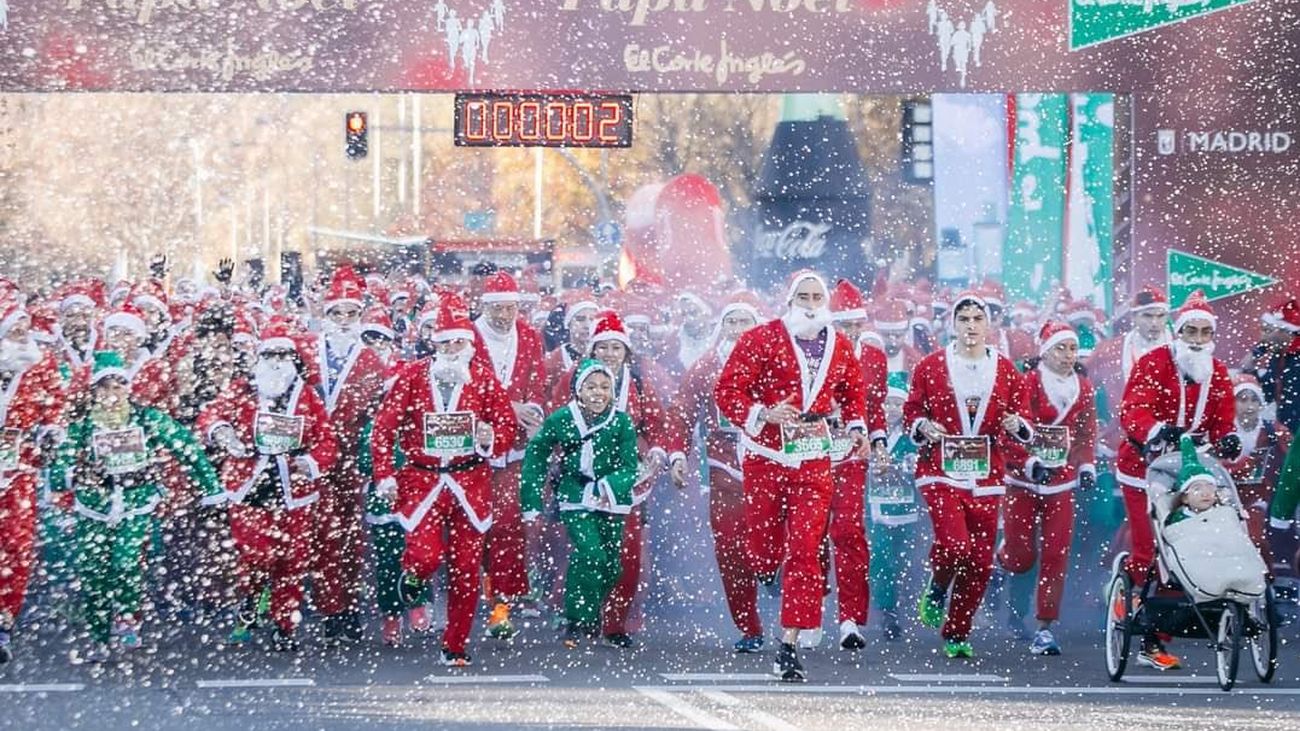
<point>787,666</point>
<point>498,624</point>
<point>1044,643</point>
<point>954,649</point>
<point>392,631</point>
<point>455,659</point>
<point>749,645</point>
<point>930,609</point>
<point>850,636</point>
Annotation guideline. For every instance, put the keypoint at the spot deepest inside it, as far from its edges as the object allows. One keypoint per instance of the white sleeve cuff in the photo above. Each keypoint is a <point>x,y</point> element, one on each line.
<point>915,431</point>
<point>753,425</point>
<point>659,451</point>
<point>606,492</point>
<point>676,456</point>
<point>1029,466</point>
<point>1104,450</point>
<point>485,452</point>
<point>1279,523</point>
<point>878,434</point>
<point>531,515</point>
<point>59,433</point>
<point>217,499</point>
<point>1025,428</point>
<point>207,436</point>
<point>1155,431</point>
<point>1089,468</point>
<point>307,463</point>
<point>856,424</point>
<point>386,488</point>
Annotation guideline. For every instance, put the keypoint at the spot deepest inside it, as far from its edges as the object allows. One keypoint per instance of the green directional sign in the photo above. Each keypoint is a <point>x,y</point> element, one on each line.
<point>1188,273</point>
<point>1098,21</point>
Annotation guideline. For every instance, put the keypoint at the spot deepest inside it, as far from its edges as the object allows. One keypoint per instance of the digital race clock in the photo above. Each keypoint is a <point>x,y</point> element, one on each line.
<point>543,120</point>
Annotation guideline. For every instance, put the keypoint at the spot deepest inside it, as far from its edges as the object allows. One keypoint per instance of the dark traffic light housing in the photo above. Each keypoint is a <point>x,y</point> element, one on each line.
<point>356,131</point>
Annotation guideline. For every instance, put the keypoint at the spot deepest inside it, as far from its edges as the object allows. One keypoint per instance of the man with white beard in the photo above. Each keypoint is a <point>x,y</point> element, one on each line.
<point>31,403</point>
<point>695,336</point>
<point>350,379</point>
<point>781,383</point>
<point>78,305</point>
<point>1174,390</point>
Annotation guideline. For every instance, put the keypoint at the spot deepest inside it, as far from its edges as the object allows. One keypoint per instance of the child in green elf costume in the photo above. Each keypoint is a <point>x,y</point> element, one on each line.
<point>892,509</point>
<point>598,467</point>
<point>108,462</point>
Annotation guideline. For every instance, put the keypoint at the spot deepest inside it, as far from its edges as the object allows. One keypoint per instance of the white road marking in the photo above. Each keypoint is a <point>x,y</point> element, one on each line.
<point>42,688</point>
<point>1030,690</point>
<point>701,719</point>
<point>762,718</point>
<point>947,678</point>
<point>484,679</point>
<point>706,677</point>
<point>1171,679</point>
<point>258,683</point>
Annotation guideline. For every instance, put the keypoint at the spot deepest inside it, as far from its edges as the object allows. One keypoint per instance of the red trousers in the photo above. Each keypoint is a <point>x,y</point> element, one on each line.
<point>447,531</point>
<point>340,540</point>
<point>620,615</point>
<point>1038,528</point>
<point>1256,500</point>
<point>17,536</point>
<point>1142,537</point>
<point>507,567</point>
<point>275,546</point>
<point>965,528</point>
<point>727,519</point>
<point>786,513</point>
<point>848,532</point>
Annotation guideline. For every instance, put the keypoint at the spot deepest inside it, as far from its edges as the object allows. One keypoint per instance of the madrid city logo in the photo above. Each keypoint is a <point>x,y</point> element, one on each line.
<point>961,38</point>
<point>468,37</point>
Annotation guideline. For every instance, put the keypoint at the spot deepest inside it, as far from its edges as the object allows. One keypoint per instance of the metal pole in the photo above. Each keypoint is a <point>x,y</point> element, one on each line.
<point>417,155</point>
<point>375,172</point>
<point>401,159</point>
<point>537,192</point>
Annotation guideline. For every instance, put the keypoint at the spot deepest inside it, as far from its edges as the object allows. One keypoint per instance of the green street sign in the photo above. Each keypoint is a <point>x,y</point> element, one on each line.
<point>1098,21</point>
<point>1188,273</point>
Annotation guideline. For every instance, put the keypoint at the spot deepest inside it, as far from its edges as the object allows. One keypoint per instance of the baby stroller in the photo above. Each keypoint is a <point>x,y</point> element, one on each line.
<point>1222,596</point>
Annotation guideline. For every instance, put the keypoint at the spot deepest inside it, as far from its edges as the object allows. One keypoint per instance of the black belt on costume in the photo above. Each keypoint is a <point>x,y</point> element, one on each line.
<point>469,464</point>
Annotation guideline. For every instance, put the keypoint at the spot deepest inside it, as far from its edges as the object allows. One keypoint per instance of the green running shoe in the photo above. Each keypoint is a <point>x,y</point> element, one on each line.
<point>953,649</point>
<point>930,608</point>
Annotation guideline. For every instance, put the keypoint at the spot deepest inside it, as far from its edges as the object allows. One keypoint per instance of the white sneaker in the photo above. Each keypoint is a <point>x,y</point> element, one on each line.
<point>810,638</point>
<point>850,636</point>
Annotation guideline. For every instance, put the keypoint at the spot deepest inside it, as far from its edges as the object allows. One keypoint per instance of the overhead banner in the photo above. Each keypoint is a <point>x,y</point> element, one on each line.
<point>1090,210</point>
<point>1098,21</point>
<point>1188,273</point>
<point>1031,253</point>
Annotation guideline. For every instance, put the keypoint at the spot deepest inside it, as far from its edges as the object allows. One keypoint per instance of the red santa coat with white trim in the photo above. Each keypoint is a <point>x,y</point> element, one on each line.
<point>933,397</point>
<point>354,398</point>
<point>238,408</point>
<point>767,366</point>
<point>1080,418</point>
<point>520,372</point>
<point>31,403</point>
<point>1151,400</point>
<point>1109,368</point>
<point>694,405</point>
<point>557,364</point>
<point>400,422</point>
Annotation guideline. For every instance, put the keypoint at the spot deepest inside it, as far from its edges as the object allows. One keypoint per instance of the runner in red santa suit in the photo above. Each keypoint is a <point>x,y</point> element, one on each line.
<point>514,352</point>
<point>449,416</point>
<point>350,379</point>
<point>278,443</point>
<point>31,408</point>
<point>781,384</point>
<point>579,317</point>
<point>636,396</point>
<point>79,305</point>
<point>693,407</point>
<point>894,326</point>
<point>965,402</point>
<point>1112,362</point>
<point>1038,509</point>
<point>1264,446</point>
<point>1173,390</point>
<point>848,531</point>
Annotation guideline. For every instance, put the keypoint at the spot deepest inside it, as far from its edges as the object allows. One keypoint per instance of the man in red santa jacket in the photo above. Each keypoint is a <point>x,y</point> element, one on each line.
<point>31,407</point>
<point>1038,509</point>
<point>514,351</point>
<point>449,416</point>
<point>1173,390</point>
<point>782,383</point>
<point>579,318</point>
<point>965,402</point>
<point>692,407</point>
<point>278,443</point>
<point>1264,446</point>
<point>1112,362</point>
<point>350,379</point>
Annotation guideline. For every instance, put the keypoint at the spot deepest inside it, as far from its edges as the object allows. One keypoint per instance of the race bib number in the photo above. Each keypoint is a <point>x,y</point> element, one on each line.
<point>10,439</point>
<point>276,433</point>
<point>122,451</point>
<point>1051,445</point>
<point>806,440</point>
<point>965,458</point>
<point>841,445</point>
<point>449,435</point>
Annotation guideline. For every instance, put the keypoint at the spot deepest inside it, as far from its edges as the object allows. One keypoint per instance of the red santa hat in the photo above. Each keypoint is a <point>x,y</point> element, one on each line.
<point>44,322</point>
<point>609,326</point>
<point>577,307</point>
<point>451,323</point>
<point>847,302</point>
<point>529,289</point>
<point>1080,311</point>
<point>277,335</point>
<point>743,301</point>
<point>1053,333</point>
<point>1246,382</point>
<point>921,309</point>
<point>994,295</point>
<point>873,339</point>
<point>891,316</point>
<point>376,321</point>
<point>127,317</point>
<point>427,315</point>
<point>1286,316</point>
<point>500,287</point>
<point>11,312</point>
<point>82,293</point>
<point>1024,308</point>
<point>1149,298</point>
<point>346,288</point>
<point>245,327</point>
<point>151,294</point>
<point>969,297</point>
<point>1195,308</point>
<point>800,277</point>
<point>698,300</point>
<point>377,288</point>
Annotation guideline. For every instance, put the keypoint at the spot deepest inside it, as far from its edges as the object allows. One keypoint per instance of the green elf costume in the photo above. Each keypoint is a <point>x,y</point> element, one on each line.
<point>108,463</point>
<point>598,466</point>
<point>892,510</point>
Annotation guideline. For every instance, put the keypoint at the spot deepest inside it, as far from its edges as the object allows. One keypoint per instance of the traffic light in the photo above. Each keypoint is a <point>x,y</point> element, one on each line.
<point>918,141</point>
<point>356,129</point>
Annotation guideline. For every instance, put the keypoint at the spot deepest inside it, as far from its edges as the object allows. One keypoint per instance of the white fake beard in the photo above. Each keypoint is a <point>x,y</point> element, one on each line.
<point>15,358</point>
<point>804,323</point>
<point>1197,365</point>
<point>452,368</point>
<point>338,338</point>
<point>273,378</point>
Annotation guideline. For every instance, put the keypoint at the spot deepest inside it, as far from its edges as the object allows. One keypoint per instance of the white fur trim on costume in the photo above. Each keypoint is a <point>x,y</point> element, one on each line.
<point>275,344</point>
<point>1188,316</point>
<point>307,464</point>
<point>896,392</point>
<point>676,456</point>
<point>891,325</point>
<point>386,488</point>
<point>126,321</point>
<point>1252,387</point>
<point>1089,468</point>
<point>636,320</point>
<point>1057,338</point>
<point>10,320</point>
<point>858,424</point>
<point>443,336</point>
<point>576,308</point>
<point>500,297</point>
<point>1279,523</point>
<point>968,299</point>
<point>794,284</point>
<point>849,315</point>
<point>609,335</point>
<point>740,306</point>
<point>331,304</point>
<point>103,373</point>
<point>75,300</point>
<point>1155,431</point>
<point>753,424</point>
<point>531,515</point>
<point>153,302</point>
<point>915,431</point>
<point>878,434</point>
<point>379,330</point>
<point>209,500</point>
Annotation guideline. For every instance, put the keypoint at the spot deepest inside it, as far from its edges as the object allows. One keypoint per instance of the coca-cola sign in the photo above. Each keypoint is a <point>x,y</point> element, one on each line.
<point>799,240</point>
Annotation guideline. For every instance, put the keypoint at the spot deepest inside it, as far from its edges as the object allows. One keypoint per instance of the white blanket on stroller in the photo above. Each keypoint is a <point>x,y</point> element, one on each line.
<point>1212,556</point>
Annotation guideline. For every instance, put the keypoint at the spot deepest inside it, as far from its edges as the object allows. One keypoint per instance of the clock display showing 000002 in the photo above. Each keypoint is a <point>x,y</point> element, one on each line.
<point>492,119</point>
